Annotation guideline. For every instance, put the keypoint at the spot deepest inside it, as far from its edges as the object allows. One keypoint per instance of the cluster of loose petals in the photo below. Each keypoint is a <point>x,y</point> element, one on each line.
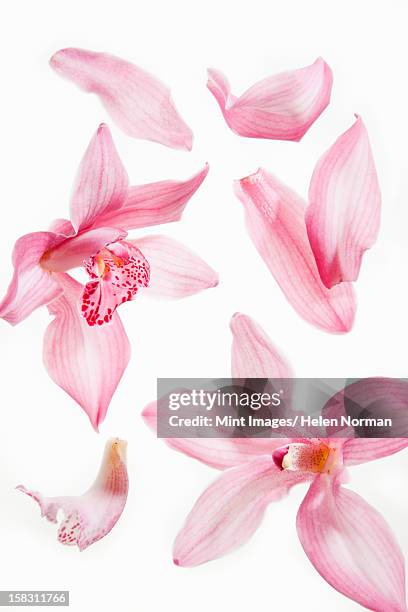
<point>315,251</point>
<point>347,540</point>
<point>138,102</point>
<point>280,107</point>
<point>89,517</point>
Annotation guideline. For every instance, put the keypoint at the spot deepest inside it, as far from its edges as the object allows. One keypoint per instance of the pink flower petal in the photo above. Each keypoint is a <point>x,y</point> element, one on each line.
<point>230,510</point>
<point>218,453</point>
<point>351,546</point>
<point>281,107</point>
<point>154,203</point>
<point>361,450</point>
<point>90,517</point>
<point>102,182</point>
<point>86,362</point>
<point>62,226</point>
<point>276,224</point>
<point>138,102</point>
<point>71,252</point>
<point>253,354</point>
<point>176,272</point>
<point>31,286</point>
<point>343,218</point>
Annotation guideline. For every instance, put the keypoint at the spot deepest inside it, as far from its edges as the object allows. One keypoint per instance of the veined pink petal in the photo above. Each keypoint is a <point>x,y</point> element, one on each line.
<point>253,354</point>
<point>102,182</point>
<point>218,453</point>
<point>361,450</point>
<point>343,218</point>
<point>86,362</point>
<point>276,224</point>
<point>62,226</point>
<point>230,510</point>
<point>90,517</point>
<point>154,203</point>
<point>351,546</point>
<point>138,102</point>
<point>72,252</point>
<point>31,285</point>
<point>281,107</point>
<point>176,272</point>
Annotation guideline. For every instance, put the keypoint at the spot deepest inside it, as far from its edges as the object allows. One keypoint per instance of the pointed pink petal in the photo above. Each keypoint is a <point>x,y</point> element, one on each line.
<point>351,546</point>
<point>138,102</point>
<point>86,362</point>
<point>218,453</point>
<point>31,286</point>
<point>71,252</point>
<point>343,218</point>
<point>281,107</point>
<point>102,182</point>
<point>253,354</point>
<point>90,517</point>
<point>276,224</point>
<point>361,450</point>
<point>154,203</point>
<point>176,272</point>
<point>62,226</point>
<point>230,510</point>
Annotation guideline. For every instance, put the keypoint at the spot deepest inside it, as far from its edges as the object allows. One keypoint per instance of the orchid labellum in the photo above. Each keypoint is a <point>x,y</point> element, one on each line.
<point>347,541</point>
<point>90,517</point>
<point>280,107</point>
<point>85,348</point>
<point>315,251</point>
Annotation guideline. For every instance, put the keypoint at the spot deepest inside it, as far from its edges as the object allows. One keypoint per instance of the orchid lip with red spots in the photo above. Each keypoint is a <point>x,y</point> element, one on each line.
<point>103,208</point>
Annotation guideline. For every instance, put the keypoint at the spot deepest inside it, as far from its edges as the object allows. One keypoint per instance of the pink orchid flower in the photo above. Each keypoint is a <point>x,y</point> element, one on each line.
<point>280,107</point>
<point>137,102</point>
<point>315,251</point>
<point>90,517</point>
<point>347,540</point>
<point>86,349</point>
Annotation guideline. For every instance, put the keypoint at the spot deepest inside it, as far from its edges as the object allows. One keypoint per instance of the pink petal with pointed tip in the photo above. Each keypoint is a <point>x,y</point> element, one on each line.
<point>62,226</point>
<point>218,453</point>
<point>154,203</point>
<point>138,102</point>
<point>281,107</point>
<point>31,286</point>
<point>90,517</point>
<point>361,450</point>
<point>253,354</point>
<point>351,546</point>
<point>86,362</point>
<point>343,218</point>
<point>102,182</point>
<point>176,272</point>
<point>72,252</point>
<point>276,224</point>
<point>230,510</point>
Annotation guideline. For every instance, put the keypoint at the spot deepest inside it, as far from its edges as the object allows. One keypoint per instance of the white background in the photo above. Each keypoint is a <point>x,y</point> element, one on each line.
<point>47,443</point>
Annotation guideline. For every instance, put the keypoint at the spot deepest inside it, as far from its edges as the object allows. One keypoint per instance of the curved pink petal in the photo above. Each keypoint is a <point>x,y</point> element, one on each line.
<point>31,286</point>
<point>90,517</point>
<point>138,102</point>
<point>361,450</point>
<point>253,354</point>
<point>62,226</point>
<point>230,510</point>
<point>72,251</point>
<point>176,272</point>
<point>276,224</point>
<point>218,453</point>
<point>154,203</point>
<point>343,218</point>
<point>86,362</point>
<point>102,182</point>
<point>281,107</point>
<point>351,546</point>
